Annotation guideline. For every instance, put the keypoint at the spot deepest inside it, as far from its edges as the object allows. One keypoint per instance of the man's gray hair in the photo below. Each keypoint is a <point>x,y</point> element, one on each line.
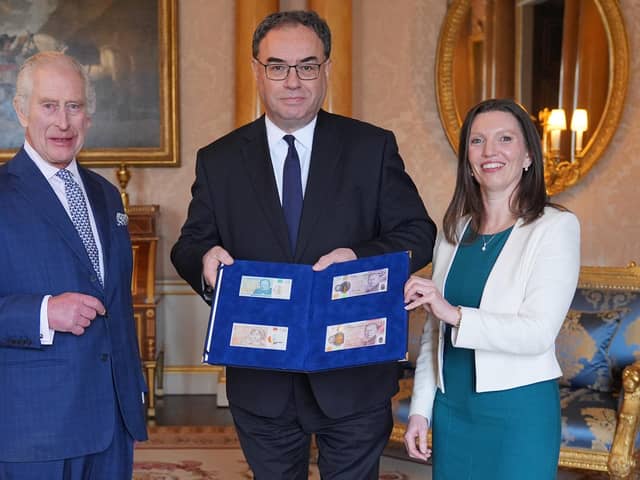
<point>24,84</point>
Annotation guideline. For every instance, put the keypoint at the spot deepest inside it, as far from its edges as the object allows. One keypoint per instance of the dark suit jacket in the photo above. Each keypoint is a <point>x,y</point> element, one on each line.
<point>59,401</point>
<point>357,196</point>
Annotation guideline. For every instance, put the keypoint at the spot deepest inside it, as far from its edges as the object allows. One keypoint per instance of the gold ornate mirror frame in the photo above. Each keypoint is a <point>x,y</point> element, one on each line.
<point>618,78</point>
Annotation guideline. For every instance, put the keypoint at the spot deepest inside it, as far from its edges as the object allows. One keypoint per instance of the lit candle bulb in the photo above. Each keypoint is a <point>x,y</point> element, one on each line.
<point>556,123</point>
<point>579,124</point>
<point>555,140</point>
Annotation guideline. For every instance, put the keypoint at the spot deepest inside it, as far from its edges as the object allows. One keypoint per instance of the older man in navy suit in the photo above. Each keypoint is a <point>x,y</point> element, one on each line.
<point>71,401</point>
<point>305,186</point>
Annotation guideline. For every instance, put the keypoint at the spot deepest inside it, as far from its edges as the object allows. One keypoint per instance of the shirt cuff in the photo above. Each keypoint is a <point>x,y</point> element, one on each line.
<point>46,333</point>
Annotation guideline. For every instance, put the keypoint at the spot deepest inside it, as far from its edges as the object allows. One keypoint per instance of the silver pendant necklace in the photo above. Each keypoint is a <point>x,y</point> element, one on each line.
<point>486,242</point>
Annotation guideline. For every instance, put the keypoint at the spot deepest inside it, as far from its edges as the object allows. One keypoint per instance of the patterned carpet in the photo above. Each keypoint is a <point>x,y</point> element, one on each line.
<point>175,437</point>
<point>213,453</point>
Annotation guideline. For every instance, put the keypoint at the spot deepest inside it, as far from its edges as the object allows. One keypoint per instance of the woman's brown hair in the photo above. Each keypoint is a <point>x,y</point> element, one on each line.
<point>530,197</point>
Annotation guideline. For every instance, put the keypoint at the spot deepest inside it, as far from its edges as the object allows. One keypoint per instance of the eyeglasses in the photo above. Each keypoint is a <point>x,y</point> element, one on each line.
<point>280,71</point>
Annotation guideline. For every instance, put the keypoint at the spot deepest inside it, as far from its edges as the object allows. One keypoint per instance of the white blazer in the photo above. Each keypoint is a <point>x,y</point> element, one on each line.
<point>523,305</point>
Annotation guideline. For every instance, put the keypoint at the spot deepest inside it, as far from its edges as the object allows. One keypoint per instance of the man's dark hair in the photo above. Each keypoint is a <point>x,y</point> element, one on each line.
<point>290,18</point>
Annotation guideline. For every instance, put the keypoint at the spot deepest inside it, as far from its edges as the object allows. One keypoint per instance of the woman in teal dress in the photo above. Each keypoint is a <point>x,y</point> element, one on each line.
<point>505,269</point>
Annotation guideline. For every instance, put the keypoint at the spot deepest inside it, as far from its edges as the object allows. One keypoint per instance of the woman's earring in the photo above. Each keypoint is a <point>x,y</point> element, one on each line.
<point>526,169</point>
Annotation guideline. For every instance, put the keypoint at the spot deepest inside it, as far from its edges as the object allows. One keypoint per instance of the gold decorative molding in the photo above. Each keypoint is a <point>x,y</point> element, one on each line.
<point>617,278</point>
<point>445,98</point>
<point>577,458</point>
<point>338,15</point>
<point>248,14</point>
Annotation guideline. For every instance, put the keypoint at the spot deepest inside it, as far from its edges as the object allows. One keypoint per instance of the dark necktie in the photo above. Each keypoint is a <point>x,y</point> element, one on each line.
<point>80,217</point>
<point>292,191</point>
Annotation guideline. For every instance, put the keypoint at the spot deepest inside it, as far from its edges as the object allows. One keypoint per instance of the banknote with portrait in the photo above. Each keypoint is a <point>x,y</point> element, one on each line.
<point>265,287</point>
<point>364,333</point>
<point>259,336</point>
<point>360,283</point>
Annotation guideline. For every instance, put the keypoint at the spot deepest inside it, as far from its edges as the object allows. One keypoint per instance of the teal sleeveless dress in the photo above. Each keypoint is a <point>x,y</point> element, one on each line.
<point>502,435</point>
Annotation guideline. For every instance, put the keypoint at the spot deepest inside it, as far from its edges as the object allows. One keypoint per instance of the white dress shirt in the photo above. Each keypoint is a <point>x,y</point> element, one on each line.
<point>57,184</point>
<point>278,149</point>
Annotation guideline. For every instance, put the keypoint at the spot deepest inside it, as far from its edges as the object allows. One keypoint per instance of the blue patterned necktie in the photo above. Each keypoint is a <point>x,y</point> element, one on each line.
<point>80,217</point>
<point>292,191</point>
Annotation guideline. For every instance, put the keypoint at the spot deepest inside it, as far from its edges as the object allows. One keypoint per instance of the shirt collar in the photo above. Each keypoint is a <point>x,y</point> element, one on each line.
<point>303,135</point>
<point>48,170</point>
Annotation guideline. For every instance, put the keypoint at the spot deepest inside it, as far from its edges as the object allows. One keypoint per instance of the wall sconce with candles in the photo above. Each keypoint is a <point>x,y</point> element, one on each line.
<point>556,165</point>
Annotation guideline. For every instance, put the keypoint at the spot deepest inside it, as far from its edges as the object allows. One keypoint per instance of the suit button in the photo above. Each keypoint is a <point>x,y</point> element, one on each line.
<point>104,357</point>
<point>93,278</point>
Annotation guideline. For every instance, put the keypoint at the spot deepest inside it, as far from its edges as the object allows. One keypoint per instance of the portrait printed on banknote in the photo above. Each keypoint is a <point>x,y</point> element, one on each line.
<point>265,287</point>
<point>361,283</point>
<point>364,333</point>
<point>259,336</point>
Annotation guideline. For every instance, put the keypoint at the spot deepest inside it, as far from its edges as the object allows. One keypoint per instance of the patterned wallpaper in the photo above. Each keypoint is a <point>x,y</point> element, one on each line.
<point>394,53</point>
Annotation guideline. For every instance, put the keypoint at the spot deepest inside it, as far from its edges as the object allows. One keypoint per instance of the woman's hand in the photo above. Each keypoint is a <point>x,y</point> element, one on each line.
<point>415,438</point>
<point>422,291</point>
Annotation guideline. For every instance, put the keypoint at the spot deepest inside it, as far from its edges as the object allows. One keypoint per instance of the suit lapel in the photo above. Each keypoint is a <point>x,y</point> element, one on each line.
<point>257,159</point>
<point>36,190</point>
<point>325,160</point>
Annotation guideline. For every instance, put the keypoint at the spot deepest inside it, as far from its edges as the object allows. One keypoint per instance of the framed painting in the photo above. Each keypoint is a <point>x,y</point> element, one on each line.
<point>130,51</point>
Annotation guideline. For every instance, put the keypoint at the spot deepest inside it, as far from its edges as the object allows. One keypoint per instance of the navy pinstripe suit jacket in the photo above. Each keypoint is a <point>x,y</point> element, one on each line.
<point>59,401</point>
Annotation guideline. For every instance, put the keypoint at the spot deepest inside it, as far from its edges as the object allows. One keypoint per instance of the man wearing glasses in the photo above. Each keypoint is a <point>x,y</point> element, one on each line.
<point>300,185</point>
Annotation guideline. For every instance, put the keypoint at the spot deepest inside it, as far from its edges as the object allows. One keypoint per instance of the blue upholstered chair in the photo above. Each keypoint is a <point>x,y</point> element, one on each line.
<point>599,351</point>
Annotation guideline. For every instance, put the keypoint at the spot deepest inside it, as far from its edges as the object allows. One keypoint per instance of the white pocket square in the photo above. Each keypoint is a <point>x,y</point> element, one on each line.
<point>122,220</point>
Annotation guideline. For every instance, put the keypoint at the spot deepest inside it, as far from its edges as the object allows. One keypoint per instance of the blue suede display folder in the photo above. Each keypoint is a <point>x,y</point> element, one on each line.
<point>288,317</point>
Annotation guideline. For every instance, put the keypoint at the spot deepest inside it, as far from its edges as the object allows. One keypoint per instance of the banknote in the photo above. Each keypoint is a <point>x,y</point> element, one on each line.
<point>361,283</point>
<point>364,333</point>
<point>265,287</point>
<point>259,336</point>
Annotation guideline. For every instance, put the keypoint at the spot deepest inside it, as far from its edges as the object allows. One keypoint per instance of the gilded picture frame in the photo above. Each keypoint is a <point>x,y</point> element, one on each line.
<point>130,50</point>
